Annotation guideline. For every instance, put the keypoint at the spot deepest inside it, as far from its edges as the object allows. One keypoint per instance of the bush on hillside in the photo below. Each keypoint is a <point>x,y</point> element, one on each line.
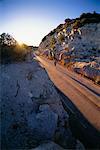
<point>52,42</point>
<point>10,50</point>
<point>61,38</point>
<point>44,39</point>
<point>76,24</point>
<point>12,53</point>
<point>86,18</point>
<point>59,28</point>
<point>67,20</point>
<point>51,33</point>
<point>90,15</point>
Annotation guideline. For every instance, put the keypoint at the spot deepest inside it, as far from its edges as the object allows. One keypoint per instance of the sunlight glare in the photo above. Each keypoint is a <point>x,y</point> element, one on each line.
<point>28,31</point>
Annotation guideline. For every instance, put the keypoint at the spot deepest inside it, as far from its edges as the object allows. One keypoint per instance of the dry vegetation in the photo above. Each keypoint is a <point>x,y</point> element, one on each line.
<point>11,51</point>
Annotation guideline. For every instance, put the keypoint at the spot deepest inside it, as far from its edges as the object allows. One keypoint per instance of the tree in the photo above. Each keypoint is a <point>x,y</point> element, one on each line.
<point>7,39</point>
<point>10,50</point>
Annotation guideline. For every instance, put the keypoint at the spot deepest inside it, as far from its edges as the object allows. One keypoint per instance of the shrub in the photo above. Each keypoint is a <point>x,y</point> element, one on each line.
<point>89,18</point>
<point>76,24</point>
<point>86,18</point>
<point>90,15</point>
<point>67,20</point>
<point>59,28</point>
<point>44,39</point>
<point>61,38</point>
<point>11,51</point>
<point>52,42</point>
<point>51,33</point>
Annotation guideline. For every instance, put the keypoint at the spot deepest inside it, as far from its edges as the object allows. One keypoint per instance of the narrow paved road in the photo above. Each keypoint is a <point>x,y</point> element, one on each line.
<point>82,92</point>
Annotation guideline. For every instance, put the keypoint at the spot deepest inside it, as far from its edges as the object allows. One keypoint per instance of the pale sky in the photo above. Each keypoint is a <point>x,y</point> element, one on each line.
<point>28,21</point>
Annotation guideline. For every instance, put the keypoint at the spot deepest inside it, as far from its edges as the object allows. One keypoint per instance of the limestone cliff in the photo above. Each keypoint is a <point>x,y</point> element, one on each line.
<point>76,44</point>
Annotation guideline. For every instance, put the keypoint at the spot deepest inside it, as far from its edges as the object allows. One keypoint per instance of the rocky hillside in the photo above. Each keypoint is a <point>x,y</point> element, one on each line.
<point>32,113</point>
<point>76,44</point>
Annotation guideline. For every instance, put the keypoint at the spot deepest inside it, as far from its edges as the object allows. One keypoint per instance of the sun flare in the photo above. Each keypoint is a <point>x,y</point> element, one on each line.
<point>28,31</point>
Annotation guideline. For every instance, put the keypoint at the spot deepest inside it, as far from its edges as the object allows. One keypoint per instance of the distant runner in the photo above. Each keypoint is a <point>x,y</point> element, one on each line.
<point>55,62</point>
<point>55,59</point>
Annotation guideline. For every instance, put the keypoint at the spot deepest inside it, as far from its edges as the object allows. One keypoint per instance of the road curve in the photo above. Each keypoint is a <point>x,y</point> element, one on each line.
<point>82,92</point>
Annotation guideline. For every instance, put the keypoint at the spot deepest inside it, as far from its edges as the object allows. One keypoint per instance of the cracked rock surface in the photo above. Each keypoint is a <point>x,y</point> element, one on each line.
<point>31,109</point>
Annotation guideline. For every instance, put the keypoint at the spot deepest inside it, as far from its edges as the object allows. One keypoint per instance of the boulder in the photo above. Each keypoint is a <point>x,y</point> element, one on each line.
<point>43,124</point>
<point>92,73</point>
<point>30,105</point>
<point>79,146</point>
<point>90,70</point>
<point>48,146</point>
<point>64,138</point>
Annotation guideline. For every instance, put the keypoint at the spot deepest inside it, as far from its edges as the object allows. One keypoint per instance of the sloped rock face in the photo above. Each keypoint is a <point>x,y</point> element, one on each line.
<point>44,123</point>
<point>53,146</point>
<point>88,40</point>
<point>49,146</point>
<point>90,72</point>
<point>82,45</point>
<point>31,109</point>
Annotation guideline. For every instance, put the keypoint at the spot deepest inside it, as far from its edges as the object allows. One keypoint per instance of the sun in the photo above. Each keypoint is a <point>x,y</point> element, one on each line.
<point>20,42</point>
<point>28,30</point>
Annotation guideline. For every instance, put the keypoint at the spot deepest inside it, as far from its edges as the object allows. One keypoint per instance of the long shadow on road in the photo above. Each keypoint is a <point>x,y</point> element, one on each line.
<point>79,126</point>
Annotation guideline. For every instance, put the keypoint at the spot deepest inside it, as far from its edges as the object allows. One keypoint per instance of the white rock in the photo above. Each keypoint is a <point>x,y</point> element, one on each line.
<point>22,99</point>
<point>43,124</point>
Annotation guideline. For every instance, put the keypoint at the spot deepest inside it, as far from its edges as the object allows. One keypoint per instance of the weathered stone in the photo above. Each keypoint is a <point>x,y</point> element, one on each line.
<point>81,44</point>
<point>79,146</point>
<point>91,73</point>
<point>43,124</point>
<point>88,71</point>
<point>48,146</point>
<point>26,104</point>
<point>64,138</point>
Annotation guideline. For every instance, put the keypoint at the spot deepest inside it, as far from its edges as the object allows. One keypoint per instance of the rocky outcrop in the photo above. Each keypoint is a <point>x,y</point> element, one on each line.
<point>89,72</point>
<point>79,42</point>
<point>43,124</point>
<point>79,146</point>
<point>49,146</point>
<point>31,109</point>
<point>53,146</point>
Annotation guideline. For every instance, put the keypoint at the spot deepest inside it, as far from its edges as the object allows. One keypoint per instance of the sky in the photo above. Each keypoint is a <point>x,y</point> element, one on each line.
<point>28,21</point>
